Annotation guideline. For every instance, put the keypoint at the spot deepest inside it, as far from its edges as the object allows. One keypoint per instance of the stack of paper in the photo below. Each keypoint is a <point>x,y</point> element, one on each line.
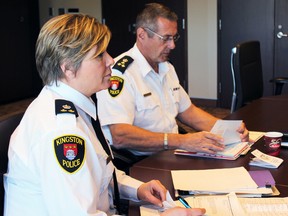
<point>233,145</point>
<point>264,160</point>
<point>231,152</point>
<point>214,181</point>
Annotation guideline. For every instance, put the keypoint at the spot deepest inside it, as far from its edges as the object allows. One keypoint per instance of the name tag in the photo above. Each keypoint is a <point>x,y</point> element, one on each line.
<point>147,94</point>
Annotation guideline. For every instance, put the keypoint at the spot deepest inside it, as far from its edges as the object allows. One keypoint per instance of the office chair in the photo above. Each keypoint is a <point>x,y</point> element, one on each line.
<point>246,68</point>
<point>247,77</point>
<point>7,126</point>
<point>279,83</point>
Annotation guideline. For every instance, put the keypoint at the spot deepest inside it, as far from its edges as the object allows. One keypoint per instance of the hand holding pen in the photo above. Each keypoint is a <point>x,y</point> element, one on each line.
<point>184,202</point>
<point>187,211</point>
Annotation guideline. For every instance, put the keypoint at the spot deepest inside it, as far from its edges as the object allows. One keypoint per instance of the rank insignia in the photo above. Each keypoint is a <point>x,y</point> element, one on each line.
<point>70,152</point>
<point>64,106</point>
<point>123,63</point>
<point>116,86</point>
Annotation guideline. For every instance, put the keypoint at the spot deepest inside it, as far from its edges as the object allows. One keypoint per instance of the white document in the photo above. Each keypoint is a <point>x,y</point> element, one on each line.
<point>230,205</point>
<point>223,180</point>
<point>228,130</point>
<point>219,205</point>
<point>255,135</point>
<point>223,205</point>
<point>152,210</point>
<point>264,160</point>
<point>231,152</point>
<point>264,206</point>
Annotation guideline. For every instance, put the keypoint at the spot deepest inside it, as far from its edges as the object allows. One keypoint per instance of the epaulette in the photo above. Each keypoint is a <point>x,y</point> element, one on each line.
<point>123,63</point>
<point>64,106</point>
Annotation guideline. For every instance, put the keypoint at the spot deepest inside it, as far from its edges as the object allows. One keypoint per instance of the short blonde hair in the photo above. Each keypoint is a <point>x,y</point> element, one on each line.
<point>68,38</point>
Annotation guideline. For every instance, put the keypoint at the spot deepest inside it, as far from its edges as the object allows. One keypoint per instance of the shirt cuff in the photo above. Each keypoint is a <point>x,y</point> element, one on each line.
<point>128,186</point>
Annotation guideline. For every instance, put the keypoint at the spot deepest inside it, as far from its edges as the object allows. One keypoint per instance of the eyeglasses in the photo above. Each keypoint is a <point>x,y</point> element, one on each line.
<point>164,38</point>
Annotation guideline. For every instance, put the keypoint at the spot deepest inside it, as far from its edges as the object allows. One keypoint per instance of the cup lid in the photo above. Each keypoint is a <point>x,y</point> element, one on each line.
<point>273,134</point>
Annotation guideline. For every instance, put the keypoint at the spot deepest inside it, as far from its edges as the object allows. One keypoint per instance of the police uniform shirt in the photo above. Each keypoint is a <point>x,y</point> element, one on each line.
<point>57,165</point>
<point>139,96</point>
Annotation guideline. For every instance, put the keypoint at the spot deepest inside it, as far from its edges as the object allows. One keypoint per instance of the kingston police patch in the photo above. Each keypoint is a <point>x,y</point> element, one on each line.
<point>116,86</point>
<point>70,152</point>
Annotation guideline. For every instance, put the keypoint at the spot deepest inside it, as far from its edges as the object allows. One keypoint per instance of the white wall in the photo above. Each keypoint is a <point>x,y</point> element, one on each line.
<point>202,39</point>
<point>202,48</point>
<point>92,7</point>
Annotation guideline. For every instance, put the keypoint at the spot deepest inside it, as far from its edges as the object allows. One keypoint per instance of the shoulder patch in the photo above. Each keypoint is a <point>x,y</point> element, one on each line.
<point>123,63</point>
<point>70,152</point>
<point>116,86</point>
<point>64,106</point>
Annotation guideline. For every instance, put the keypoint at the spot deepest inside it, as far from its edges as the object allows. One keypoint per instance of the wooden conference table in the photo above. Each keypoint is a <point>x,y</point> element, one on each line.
<point>265,114</point>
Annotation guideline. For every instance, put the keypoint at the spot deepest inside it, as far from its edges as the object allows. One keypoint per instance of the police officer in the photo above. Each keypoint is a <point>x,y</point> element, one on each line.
<point>138,112</point>
<point>57,165</point>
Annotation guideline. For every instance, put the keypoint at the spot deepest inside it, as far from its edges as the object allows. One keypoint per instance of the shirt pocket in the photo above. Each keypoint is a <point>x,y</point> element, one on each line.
<point>146,103</point>
<point>175,94</point>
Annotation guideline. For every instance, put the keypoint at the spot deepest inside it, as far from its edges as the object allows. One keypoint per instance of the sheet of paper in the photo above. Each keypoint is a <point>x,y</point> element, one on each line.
<point>217,180</point>
<point>255,135</point>
<point>230,205</point>
<point>153,210</point>
<point>228,130</point>
<point>223,205</point>
<point>264,160</point>
<point>220,205</point>
<point>264,206</point>
<point>169,202</point>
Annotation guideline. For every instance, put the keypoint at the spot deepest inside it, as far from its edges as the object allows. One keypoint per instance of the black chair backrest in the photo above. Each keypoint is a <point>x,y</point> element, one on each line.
<point>7,126</point>
<point>248,73</point>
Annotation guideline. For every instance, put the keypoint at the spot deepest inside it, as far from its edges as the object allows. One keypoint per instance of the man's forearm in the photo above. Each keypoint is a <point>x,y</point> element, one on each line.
<point>129,136</point>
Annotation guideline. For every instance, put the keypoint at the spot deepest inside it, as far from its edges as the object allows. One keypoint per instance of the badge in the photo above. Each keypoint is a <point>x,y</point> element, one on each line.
<point>116,86</point>
<point>70,152</point>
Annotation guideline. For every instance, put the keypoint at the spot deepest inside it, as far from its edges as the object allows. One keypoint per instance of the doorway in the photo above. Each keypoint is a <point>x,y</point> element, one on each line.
<point>243,20</point>
<point>281,40</point>
<point>20,28</point>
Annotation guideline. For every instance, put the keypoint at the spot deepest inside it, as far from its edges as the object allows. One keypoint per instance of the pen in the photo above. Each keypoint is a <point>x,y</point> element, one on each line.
<point>184,202</point>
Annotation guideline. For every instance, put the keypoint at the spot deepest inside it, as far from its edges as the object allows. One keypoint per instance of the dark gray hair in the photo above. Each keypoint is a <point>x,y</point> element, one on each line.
<point>150,14</point>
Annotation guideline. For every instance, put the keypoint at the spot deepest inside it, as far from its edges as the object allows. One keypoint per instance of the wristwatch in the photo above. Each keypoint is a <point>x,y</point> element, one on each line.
<point>165,144</point>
